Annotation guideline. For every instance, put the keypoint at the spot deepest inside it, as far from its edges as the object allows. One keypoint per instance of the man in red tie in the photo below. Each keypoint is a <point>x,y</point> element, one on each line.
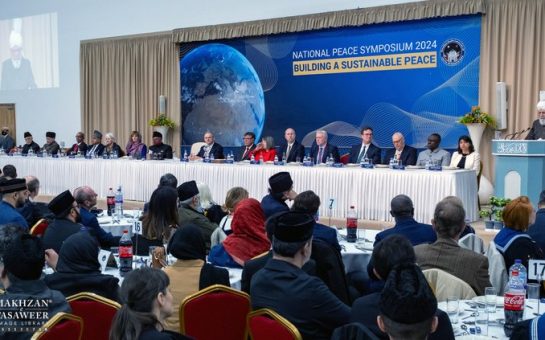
<point>79,146</point>
<point>249,145</point>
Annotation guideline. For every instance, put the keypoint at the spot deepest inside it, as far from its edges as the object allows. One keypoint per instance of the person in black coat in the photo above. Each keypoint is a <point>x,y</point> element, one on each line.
<point>537,229</point>
<point>78,269</point>
<point>401,151</point>
<point>210,148</point>
<point>67,221</point>
<point>244,153</point>
<point>80,146</point>
<point>366,148</point>
<point>296,150</point>
<point>322,149</point>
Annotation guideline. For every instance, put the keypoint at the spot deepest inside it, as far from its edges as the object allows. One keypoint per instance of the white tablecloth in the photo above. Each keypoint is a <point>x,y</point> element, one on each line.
<point>369,190</point>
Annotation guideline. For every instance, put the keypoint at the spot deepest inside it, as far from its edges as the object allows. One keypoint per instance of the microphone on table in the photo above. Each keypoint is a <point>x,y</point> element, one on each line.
<point>519,133</point>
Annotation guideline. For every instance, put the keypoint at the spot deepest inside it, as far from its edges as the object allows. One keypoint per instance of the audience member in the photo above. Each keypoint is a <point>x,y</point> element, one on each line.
<point>50,147</point>
<point>23,261</point>
<point>393,251</point>
<point>110,147</point>
<point>265,150</point>
<point>86,198</point>
<point>537,229</point>
<point>96,149</point>
<point>247,240</point>
<point>291,150</point>
<point>6,142</point>
<point>466,157</point>
<point>249,145</point>
<point>445,253</point>
<point>161,150</point>
<point>211,148</point>
<point>308,202</point>
<point>191,211</point>
<point>7,233</point>
<point>402,152</point>
<point>322,150</point>
<point>190,273</point>
<point>402,211</point>
<point>280,190</point>
<point>167,180</point>
<point>512,241</point>
<point>532,329</point>
<point>284,287</point>
<point>30,144</point>
<point>135,147</point>
<point>366,149</point>
<point>67,221</point>
<point>212,210</point>
<point>78,270</point>
<point>433,152</point>
<point>14,193</point>
<point>9,171</point>
<point>32,210</point>
<point>147,303</point>
<point>232,199</point>
<point>79,146</point>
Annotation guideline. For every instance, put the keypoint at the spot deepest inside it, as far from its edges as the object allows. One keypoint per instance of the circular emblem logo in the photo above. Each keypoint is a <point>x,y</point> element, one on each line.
<point>452,52</point>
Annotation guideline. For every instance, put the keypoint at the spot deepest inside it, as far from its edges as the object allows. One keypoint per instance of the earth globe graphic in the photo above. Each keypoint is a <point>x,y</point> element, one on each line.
<point>221,93</point>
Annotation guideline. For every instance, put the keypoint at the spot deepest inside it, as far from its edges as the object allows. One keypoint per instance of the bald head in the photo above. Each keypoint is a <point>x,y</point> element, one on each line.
<point>401,206</point>
<point>86,197</point>
<point>449,217</point>
<point>289,135</point>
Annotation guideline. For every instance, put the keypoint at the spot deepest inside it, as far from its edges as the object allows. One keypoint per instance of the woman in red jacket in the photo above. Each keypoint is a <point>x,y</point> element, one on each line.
<point>265,149</point>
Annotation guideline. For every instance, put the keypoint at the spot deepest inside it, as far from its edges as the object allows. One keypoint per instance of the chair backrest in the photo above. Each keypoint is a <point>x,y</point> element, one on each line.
<point>345,158</point>
<point>496,268</point>
<point>266,324</point>
<point>353,331</point>
<point>445,285</point>
<point>196,147</point>
<point>216,312</point>
<point>38,229</point>
<point>60,326</point>
<point>97,313</point>
<point>330,268</point>
<point>472,242</point>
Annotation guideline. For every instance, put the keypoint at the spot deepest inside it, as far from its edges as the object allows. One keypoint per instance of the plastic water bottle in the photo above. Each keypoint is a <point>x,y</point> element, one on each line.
<point>261,159</point>
<point>211,157</point>
<point>110,202</point>
<point>185,155</point>
<point>119,203</point>
<point>351,225</point>
<point>513,302</point>
<point>522,272</point>
<point>125,254</point>
<point>275,159</point>
<point>252,159</point>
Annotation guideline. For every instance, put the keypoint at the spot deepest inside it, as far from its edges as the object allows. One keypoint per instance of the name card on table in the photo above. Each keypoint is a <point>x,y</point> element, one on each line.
<point>398,167</point>
<point>103,256</point>
<point>204,160</point>
<point>535,268</point>
<point>435,167</point>
<point>367,166</point>
<point>337,165</point>
<point>137,228</point>
<point>229,161</point>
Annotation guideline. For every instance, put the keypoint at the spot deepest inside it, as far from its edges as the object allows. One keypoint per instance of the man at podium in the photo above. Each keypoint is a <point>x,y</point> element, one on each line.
<point>538,127</point>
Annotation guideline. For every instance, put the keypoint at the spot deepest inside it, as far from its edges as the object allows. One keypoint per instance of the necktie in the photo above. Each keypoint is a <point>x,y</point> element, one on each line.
<point>320,155</point>
<point>75,148</point>
<point>362,154</point>
<point>245,153</point>
<point>288,151</point>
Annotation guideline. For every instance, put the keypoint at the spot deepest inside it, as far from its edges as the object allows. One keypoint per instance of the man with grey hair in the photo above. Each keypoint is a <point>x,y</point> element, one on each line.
<point>405,153</point>
<point>445,254</point>
<point>402,210</point>
<point>538,126</point>
<point>322,149</point>
<point>96,148</point>
<point>191,211</point>
<point>32,210</point>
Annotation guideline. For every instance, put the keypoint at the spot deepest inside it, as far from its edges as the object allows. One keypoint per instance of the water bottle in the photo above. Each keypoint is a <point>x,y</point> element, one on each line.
<point>211,157</point>
<point>125,254</point>
<point>119,203</point>
<point>513,302</point>
<point>351,225</point>
<point>522,272</point>
<point>261,159</point>
<point>110,201</point>
<point>252,159</point>
<point>275,159</point>
<point>185,155</point>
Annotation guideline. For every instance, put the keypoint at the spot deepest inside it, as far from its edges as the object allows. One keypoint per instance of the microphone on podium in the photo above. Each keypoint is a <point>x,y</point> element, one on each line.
<point>516,133</point>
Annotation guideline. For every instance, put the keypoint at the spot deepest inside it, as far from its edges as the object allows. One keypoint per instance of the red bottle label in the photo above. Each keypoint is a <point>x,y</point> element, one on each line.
<point>513,301</point>
<point>351,222</point>
<point>110,200</point>
<point>125,251</point>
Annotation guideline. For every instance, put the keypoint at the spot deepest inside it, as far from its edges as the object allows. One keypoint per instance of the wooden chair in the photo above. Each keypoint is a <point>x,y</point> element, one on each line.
<point>266,324</point>
<point>38,229</point>
<point>216,312</point>
<point>97,313</point>
<point>60,326</point>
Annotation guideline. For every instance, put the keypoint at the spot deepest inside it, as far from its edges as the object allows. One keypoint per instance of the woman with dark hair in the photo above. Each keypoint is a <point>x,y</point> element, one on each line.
<point>78,269</point>
<point>466,157</point>
<point>190,273</point>
<point>248,239</point>
<point>265,149</point>
<point>147,303</point>
<point>135,148</point>
<point>160,220</point>
<point>513,241</point>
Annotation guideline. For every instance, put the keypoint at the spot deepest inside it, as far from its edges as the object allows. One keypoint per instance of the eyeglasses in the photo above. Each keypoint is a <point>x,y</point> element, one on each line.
<point>247,138</point>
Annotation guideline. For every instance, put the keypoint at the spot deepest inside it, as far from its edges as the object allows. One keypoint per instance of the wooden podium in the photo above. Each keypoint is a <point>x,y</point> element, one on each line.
<point>520,168</point>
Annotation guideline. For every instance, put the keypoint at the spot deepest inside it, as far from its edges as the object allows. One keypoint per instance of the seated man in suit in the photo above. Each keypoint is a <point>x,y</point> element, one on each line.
<point>33,211</point>
<point>284,287</point>
<point>434,152</point>
<point>405,153</point>
<point>291,150</point>
<point>67,221</point>
<point>211,148</point>
<point>245,151</point>
<point>280,190</point>
<point>96,149</point>
<point>30,144</point>
<point>322,149</point>
<point>79,146</point>
<point>13,193</point>
<point>445,254</point>
<point>163,151</point>
<point>51,146</point>
<point>395,250</point>
<point>366,148</point>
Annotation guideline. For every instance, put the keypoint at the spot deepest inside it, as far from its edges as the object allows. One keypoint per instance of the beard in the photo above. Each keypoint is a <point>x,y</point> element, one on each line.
<point>542,121</point>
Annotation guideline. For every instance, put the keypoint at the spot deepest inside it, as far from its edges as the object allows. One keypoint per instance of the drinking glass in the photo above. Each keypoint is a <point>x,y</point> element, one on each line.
<point>490,299</point>
<point>115,253</point>
<point>481,319</point>
<point>360,242</point>
<point>453,308</point>
<point>533,296</point>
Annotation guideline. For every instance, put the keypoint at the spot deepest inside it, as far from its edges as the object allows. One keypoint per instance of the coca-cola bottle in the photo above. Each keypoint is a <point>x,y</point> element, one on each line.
<point>125,254</point>
<point>110,201</point>
<point>351,225</point>
<point>513,302</point>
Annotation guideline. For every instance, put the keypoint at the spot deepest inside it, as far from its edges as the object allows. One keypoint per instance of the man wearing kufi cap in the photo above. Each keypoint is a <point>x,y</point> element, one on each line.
<point>96,148</point>
<point>280,190</point>
<point>29,144</point>
<point>538,126</point>
<point>51,146</point>
<point>80,145</point>
<point>284,287</point>
<point>191,211</point>
<point>159,149</point>
<point>67,221</point>
<point>14,193</point>
<point>16,71</point>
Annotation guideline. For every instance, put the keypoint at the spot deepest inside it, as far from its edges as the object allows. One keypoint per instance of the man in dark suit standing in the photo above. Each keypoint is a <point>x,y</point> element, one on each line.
<point>211,148</point>
<point>322,149</point>
<point>249,146</point>
<point>366,148</point>
<point>292,150</point>
<point>405,153</point>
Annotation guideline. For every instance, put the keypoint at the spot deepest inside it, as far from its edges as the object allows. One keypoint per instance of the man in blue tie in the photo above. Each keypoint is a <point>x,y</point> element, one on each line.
<point>322,149</point>
<point>366,148</point>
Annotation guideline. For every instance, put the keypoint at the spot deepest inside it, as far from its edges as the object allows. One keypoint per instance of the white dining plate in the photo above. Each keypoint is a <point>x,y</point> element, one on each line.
<point>450,168</point>
<point>381,165</point>
<point>414,167</point>
<point>482,299</point>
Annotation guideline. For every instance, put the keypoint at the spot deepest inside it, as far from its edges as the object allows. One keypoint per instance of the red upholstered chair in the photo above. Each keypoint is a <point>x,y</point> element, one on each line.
<point>266,324</point>
<point>345,158</point>
<point>216,312</point>
<point>60,326</point>
<point>97,313</point>
<point>38,229</point>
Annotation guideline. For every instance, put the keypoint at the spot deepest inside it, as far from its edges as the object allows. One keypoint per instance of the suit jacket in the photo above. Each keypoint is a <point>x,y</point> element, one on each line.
<point>408,155</point>
<point>82,147</point>
<point>447,255</point>
<point>58,231</point>
<point>271,206</point>
<point>73,283</point>
<point>17,78</point>
<point>217,151</point>
<point>98,151</point>
<point>329,149</point>
<point>238,156</point>
<point>105,238</point>
<point>537,230</point>
<point>417,233</point>
<point>52,148</point>
<point>164,149</point>
<point>297,150</point>
<point>34,146</point>
<point>326,234</point>
<point>537,131</point>
<point>7,143</point>
<point>473,161</point>
<point>34,211</point>
<point>189,216</point>
<point>373,153</point>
